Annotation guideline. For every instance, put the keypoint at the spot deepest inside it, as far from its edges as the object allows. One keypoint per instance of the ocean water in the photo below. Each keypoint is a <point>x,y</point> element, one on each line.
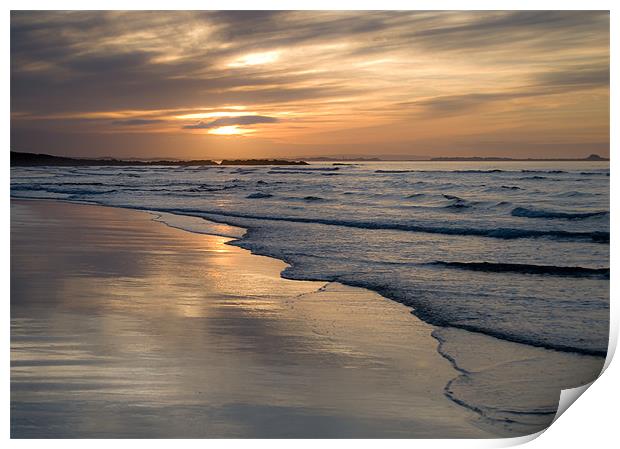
<point>518,251</point>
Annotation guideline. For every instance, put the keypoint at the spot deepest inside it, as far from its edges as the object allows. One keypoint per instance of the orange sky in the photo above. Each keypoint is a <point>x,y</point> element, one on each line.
<point>272,84</point>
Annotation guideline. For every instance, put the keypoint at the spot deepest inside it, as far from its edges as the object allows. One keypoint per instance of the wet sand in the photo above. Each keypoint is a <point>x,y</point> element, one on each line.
<point>122,326</point>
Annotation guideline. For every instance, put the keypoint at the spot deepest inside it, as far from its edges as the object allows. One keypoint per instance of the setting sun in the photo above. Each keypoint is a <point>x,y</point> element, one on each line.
<point>229,131</point>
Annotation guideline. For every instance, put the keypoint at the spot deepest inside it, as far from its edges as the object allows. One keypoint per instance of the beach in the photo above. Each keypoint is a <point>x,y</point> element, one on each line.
<point>122,326</point>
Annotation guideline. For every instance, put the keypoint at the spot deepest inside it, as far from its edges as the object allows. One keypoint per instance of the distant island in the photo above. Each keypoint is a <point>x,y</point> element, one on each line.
<point>33,160</point>
<point>592,157</point>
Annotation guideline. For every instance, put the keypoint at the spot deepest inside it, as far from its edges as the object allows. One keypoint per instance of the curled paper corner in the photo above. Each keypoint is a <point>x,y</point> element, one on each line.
<point>518,441</point>
<point>568,397</point>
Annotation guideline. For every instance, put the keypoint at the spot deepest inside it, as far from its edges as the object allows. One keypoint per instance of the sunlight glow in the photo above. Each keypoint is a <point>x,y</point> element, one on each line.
<point>230,131</point>
<point>256,59</point>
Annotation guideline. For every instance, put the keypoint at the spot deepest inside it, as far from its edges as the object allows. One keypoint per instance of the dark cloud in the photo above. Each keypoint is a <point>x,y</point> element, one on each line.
<point>545,30</point>
<point>457,104</point>
<point>256,29</point>
<point>228,121</point>
<point>576,77</point>
<point>68,67</point>
<point>114,62</point>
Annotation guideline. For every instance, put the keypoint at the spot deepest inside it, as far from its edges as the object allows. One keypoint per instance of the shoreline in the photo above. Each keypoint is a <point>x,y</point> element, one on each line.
<point>322,325</point>
<point>539,413</point>
<point>208,221</point>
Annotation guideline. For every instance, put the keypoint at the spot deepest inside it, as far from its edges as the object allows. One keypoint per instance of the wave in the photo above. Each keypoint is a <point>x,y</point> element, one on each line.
<point>452,197</point>
<point>259,195</point>
<point>309,198</point>
<point>301,172</point>
<point>573,194</point>
<point>78,173</point>
<point>300,169</point>
<point>544,171</point>
<point>552,270</point>
<point>329,171</point>
<point>499,233</point>
<point>209,188</point>
<point>35,188</point>
<point>458,206</point>
<point>458,203</point>
<point>535,213</point>
<point>80,184</point>
<point>511,187</point>
<point>441,171</point>
<point>496,170</point>
<point>260,182</point>
<point>417,195</point>
<point>436,316</point>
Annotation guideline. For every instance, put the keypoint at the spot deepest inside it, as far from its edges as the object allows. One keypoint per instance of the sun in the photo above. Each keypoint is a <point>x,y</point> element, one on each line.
<point>233,130</point>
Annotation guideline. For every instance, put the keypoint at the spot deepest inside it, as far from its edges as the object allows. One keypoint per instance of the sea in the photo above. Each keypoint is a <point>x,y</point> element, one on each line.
<point>513,252</point>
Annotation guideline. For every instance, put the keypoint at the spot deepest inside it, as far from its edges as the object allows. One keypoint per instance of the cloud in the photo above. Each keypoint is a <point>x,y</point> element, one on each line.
<point>457,104</point>
<point>576,77</point>
<point>229,121</point>
<point>137,122</point>
<point>181,59</point>
<point>546,30</point>
<point>101,63</point>
<point>434,64</point>
<point>568,81</point>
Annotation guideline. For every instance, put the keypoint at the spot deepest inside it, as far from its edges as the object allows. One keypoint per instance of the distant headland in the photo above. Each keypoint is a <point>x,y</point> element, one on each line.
<point>32,159</point>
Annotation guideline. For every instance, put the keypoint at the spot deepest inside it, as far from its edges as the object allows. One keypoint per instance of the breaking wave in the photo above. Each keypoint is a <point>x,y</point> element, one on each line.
<point>536,213</point>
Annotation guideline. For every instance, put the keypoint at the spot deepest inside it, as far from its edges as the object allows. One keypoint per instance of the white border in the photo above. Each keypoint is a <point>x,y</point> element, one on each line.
<point>592,422</point>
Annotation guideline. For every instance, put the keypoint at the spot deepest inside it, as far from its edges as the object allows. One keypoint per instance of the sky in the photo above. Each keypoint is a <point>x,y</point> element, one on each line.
<point>252,84</point>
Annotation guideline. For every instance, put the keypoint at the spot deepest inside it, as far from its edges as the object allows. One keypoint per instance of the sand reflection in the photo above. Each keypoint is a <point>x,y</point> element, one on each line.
<point>122,326</point>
